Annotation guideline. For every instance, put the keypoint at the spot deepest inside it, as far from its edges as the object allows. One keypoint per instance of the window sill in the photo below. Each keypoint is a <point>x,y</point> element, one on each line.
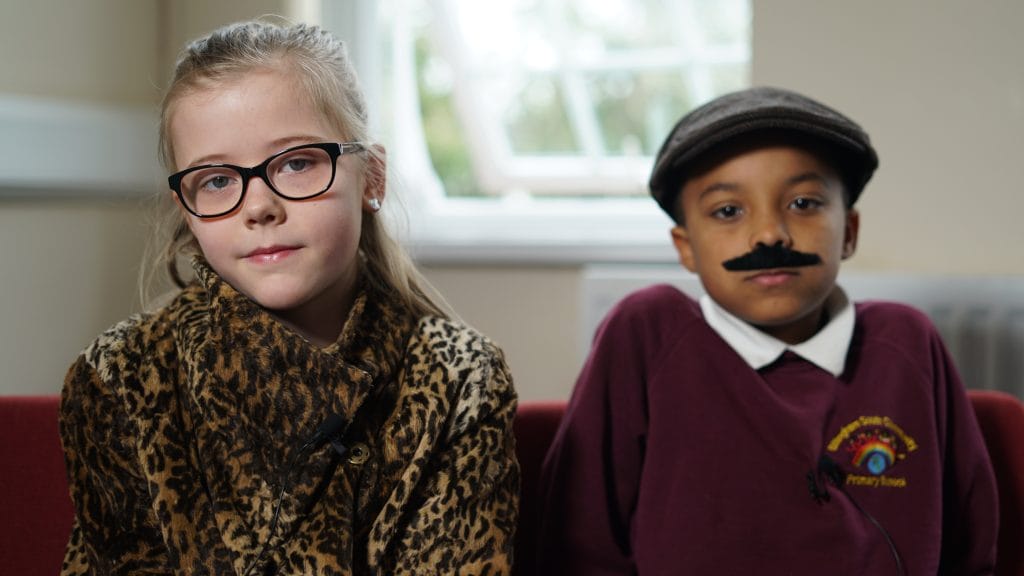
<point>541,232</point>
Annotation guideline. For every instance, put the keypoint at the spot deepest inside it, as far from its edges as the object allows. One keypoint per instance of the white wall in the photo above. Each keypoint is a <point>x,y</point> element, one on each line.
<point>68,265</point>
<point>937,83</point>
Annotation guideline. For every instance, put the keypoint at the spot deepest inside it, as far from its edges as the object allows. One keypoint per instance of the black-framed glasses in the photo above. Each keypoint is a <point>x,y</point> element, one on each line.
<point>298,173</point>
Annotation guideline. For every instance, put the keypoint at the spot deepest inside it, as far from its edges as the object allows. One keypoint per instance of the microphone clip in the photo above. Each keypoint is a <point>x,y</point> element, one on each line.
<point>338,447</point>
<point>819,493</point>
<point>831,472</point>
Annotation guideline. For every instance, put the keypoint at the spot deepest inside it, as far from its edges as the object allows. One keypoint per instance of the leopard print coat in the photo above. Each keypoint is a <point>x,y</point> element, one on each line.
<point>183,433</point>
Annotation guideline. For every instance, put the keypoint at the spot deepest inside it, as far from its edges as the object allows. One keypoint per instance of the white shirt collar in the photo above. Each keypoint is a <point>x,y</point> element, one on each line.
<point>827,349</point>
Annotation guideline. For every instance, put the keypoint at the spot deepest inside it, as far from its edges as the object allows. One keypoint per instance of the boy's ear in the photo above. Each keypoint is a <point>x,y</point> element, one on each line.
<point>850,231</point>
<point>681,240</point>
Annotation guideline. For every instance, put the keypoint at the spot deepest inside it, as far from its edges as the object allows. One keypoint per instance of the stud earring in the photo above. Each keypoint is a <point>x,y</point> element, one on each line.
<point>375,204</point>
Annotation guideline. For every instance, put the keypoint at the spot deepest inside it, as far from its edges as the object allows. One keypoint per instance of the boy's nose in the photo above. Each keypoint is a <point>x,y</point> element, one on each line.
<point>770,230</point>
<point>261,205</point>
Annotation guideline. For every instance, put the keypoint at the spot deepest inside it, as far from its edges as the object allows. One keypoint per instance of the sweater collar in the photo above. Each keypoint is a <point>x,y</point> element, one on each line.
<point>827,349</point>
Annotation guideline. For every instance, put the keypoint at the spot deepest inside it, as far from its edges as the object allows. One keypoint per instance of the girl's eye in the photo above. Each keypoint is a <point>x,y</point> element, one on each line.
<point>216,183</point>
<point>726,212</point>
<point>295,165</point>
<point>311,160</point>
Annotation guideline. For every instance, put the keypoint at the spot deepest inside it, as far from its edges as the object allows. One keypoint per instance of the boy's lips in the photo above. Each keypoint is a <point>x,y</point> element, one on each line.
<point>770,278</point>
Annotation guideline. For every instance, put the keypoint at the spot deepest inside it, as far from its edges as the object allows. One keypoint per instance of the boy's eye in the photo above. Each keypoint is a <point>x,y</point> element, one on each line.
<point>804,203</point>
<point>725,212</point>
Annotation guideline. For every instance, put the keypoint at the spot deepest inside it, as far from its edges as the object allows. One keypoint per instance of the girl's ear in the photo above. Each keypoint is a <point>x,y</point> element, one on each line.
<point>375,179</point>
<point>681,240</point>
<point>850,230</point>
<point>186,221</point>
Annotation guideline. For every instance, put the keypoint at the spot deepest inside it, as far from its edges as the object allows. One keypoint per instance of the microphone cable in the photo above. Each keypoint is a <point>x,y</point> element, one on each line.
<point>329,429</point>
<point>837,477</point>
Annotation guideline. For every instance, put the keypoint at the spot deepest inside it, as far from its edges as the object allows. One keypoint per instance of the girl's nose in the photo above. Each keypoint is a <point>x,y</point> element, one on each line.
<point>261,206</point>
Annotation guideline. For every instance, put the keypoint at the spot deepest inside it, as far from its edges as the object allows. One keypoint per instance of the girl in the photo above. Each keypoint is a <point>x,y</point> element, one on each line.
<point>301,406</point>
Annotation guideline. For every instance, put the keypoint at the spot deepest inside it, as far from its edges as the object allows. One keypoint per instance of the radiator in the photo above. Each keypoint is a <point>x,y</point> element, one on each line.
<point>981,319</point>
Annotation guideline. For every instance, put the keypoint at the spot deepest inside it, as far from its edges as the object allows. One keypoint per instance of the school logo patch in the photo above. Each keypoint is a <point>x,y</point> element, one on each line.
<point>874,446</point>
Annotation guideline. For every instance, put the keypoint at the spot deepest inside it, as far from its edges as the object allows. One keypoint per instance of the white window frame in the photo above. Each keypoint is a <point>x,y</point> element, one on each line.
<point>512,228</point>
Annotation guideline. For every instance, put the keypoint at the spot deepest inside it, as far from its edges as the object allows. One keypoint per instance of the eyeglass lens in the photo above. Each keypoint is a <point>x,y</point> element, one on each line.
<point>296,174</point>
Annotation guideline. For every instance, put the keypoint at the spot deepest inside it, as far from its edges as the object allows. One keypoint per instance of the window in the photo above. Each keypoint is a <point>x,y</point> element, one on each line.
<point>526,129</point>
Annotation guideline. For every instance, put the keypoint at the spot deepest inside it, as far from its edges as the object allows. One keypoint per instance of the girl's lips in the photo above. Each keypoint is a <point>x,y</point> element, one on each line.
<point>270,254</point>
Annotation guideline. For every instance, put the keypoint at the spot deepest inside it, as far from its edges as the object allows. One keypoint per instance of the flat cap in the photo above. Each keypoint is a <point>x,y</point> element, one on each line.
<point>755,110</point>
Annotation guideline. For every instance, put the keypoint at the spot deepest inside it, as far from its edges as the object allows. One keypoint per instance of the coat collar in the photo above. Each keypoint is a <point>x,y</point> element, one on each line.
<point>232,334</point>
<point>256,391</point>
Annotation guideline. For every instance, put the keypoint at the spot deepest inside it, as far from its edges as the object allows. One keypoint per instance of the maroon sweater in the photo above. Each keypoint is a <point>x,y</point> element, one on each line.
<point>675,457</point>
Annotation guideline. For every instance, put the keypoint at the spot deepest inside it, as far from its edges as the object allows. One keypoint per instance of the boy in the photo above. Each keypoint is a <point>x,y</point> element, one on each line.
<point>773,427</point>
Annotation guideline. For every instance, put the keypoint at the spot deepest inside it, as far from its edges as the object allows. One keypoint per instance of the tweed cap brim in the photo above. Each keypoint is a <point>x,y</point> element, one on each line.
<point>757,110</point>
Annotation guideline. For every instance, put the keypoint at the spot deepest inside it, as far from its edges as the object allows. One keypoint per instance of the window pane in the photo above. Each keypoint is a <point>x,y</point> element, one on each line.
<point>633,109</point>
<point>723,22</point>
<point>558,97</point>
<point>728,78</point>
<point>621,24</point>
<point>537,121</point>
<point>446,142</point>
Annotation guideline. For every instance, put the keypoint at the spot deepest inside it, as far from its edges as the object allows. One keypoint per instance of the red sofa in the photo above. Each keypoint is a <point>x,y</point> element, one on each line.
<point>35,509</point>
<point>1001,418</point>
<point>36,513</point>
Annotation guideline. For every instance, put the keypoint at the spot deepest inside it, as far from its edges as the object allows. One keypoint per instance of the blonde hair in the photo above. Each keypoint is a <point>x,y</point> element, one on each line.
<point>320,64</point>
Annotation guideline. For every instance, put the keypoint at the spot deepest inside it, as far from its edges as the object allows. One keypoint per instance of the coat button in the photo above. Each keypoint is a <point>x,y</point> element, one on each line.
<point>358,454</point>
